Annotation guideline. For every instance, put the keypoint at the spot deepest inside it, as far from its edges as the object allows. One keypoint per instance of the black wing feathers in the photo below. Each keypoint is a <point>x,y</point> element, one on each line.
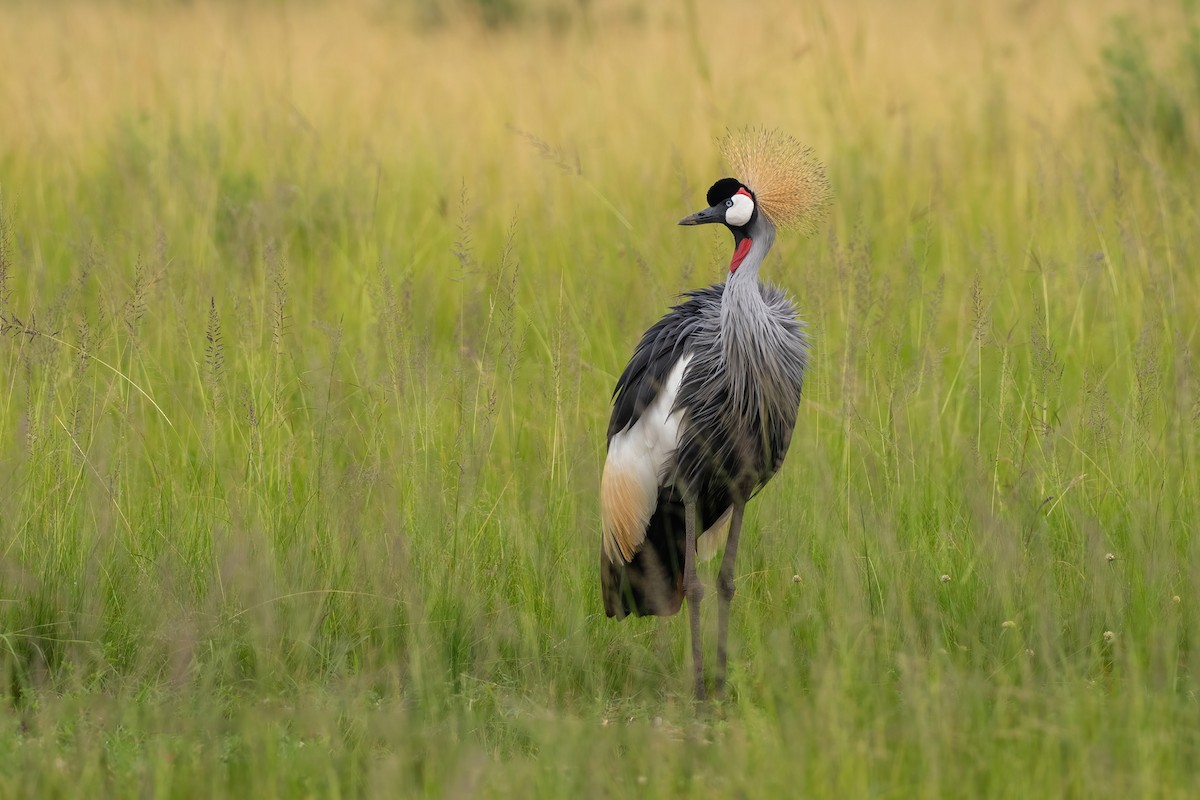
<point>652,583</point>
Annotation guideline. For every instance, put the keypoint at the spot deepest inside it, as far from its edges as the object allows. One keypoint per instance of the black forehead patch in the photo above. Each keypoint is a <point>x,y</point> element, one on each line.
<point>723,190</point>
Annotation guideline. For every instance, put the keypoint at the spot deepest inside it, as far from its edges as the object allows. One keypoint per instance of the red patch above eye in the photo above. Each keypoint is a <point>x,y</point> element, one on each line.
<point>739,255</point>
<point>743,191</point>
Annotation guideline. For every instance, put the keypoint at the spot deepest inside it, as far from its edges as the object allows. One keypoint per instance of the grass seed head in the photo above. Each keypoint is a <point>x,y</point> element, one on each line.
<point>789,183</point>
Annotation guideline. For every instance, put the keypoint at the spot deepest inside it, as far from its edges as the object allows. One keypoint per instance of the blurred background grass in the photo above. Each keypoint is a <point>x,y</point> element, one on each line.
<point>310,316</point>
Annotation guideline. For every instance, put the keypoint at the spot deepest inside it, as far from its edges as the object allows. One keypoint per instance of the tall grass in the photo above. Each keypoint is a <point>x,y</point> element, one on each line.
<point>310,318</point>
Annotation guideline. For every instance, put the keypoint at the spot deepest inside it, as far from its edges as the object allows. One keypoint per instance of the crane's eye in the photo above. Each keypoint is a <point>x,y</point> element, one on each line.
<point>729,203</point>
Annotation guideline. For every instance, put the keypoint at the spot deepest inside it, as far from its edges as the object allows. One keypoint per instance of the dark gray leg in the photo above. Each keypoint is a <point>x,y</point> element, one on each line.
<point>694,591</point>
<point>725,590</point>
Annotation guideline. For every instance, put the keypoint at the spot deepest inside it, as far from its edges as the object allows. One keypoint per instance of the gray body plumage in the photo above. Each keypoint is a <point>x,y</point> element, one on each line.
<point>738,398</point>
<point>741,391</point>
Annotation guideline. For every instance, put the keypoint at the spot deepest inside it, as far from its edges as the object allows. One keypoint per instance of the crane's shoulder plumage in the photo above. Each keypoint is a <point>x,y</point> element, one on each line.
<point>661,347</point>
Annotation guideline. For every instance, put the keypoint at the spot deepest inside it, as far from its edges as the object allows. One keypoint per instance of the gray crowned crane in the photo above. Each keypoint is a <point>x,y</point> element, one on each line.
<point>703,414</point>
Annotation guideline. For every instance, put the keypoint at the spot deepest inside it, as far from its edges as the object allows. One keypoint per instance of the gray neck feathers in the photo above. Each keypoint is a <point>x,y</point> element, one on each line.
<point>751,336</point>
<point>743,310</point>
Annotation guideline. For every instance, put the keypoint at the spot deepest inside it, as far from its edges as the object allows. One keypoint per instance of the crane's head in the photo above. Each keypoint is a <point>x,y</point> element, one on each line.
<point>779,180</point>
<point>729,202</point>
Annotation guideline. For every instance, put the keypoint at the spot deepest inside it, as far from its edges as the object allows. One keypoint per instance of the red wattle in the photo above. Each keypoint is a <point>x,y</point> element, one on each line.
<point>739,255</point>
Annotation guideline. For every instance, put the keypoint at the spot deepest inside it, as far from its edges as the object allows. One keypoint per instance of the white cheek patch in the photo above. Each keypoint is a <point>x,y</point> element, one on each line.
<point>740,212</point>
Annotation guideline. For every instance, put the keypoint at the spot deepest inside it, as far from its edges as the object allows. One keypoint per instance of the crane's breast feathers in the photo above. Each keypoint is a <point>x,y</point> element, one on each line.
<point>639,458</point>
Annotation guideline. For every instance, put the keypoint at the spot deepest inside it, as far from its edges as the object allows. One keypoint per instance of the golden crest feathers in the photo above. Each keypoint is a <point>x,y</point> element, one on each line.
<point>789,183</point>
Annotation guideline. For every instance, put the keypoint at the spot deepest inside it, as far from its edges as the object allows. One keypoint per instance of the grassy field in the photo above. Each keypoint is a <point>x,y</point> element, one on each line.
<point>310,317</point>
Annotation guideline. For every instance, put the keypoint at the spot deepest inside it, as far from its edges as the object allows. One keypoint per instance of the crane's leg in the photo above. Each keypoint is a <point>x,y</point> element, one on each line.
<point>725,591</point>
<point>694,591</point>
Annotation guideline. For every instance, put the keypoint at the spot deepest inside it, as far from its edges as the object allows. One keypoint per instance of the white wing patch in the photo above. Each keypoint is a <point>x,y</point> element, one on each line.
<point>638,458</point>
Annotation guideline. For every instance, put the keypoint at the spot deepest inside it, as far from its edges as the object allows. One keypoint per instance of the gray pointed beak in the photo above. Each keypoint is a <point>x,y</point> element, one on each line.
<point>705,217</point>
